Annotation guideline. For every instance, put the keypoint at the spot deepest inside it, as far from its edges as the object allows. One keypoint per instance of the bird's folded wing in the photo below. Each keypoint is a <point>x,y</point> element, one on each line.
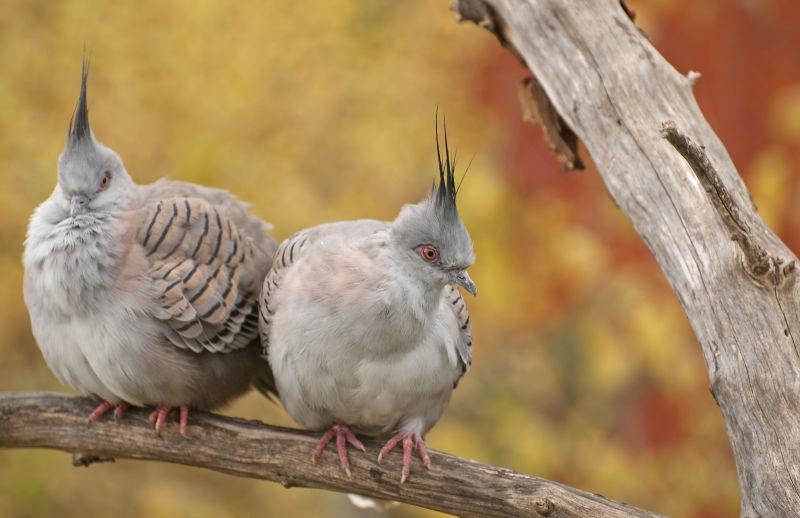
<point>288,252</point>
<point>205,273</point>
<point>298,245</point>
<point>237,211</point>
<point>464,342</point>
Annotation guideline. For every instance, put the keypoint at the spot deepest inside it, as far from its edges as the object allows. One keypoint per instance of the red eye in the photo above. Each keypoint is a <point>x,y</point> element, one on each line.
<point>105,180</point>
<point>429,253</point>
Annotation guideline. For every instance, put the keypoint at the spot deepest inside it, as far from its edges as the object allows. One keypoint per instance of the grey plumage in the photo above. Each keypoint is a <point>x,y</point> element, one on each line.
<point>146,294</point>
<point>362,321</point>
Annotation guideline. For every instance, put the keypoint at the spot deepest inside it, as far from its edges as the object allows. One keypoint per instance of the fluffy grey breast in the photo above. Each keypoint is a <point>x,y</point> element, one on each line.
<point>301,243</point>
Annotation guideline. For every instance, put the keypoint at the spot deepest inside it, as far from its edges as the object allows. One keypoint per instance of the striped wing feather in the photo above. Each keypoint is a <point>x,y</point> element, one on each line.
<point>288,252</point>
<point>464,344</point>
<point>206,273</point>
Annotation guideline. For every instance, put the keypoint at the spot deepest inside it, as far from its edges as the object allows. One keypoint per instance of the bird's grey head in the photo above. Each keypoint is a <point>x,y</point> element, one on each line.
<point>91,177</point>
<point>431,235</point>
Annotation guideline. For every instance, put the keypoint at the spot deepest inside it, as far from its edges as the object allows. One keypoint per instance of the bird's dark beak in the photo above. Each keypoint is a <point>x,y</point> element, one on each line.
<point>462,279</point>
<point>77,205</point>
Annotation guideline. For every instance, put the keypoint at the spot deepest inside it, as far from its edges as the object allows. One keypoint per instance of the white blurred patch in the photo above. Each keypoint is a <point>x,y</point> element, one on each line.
<point>363,502</point>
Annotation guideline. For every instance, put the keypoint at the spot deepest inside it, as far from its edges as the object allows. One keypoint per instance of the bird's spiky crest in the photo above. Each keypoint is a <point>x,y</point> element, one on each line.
<point>79,130</point>
<point>445,193</point>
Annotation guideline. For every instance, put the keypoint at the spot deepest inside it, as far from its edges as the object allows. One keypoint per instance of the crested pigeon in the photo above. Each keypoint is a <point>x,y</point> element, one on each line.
<point>364,325</point>
<point>143,295</point>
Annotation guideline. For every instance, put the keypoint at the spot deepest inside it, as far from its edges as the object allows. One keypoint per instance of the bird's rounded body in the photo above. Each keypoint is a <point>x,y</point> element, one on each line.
<point>358,339</point>
<point>364,327</point>
<point>143,294</point>
<point>79,312</point>
<point>94,307</point>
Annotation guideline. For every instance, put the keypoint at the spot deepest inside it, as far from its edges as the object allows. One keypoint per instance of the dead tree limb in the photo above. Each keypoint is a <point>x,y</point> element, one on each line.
<point>254,450</point>
<point>670,174</point>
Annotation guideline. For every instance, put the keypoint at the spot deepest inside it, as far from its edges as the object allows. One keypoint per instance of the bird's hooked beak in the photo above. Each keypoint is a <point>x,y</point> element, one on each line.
<point>77,205</point>
<point>462,279</point>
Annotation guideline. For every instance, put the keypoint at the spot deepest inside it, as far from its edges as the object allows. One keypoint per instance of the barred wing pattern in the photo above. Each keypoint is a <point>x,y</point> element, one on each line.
<point>289,251</point>
<point>464,344</point>
<point>237,211</point>
<point>206,274</point>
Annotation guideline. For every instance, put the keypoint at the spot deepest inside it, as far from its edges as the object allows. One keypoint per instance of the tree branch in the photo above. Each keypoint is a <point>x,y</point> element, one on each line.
<point>613,90</point>
<point>254,450</point>
<point>757,262</point>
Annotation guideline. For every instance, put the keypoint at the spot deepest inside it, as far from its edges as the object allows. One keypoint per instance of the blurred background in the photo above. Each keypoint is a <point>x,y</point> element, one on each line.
<point>585,370</point>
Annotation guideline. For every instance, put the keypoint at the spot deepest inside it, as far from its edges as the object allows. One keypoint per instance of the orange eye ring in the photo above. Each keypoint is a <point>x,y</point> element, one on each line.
<point>105,180</point>
<point>429,253</point>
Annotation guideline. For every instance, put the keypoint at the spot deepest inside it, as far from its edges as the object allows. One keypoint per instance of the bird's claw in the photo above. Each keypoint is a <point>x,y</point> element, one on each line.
<point>343,437</point>
<point>119,410</point>
<point>410,441</point>
<point>159,415</point>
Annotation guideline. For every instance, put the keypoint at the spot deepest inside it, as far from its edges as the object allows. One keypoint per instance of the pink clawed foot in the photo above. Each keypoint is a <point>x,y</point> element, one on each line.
<point>159,415</point>
<point>119,409</point>
<point>343,436</point>
<point>183,420</point>
<point>410,440</point>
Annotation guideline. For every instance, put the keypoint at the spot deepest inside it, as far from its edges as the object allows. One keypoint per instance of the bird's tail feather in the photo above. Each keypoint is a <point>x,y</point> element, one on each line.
<point>264,381</point>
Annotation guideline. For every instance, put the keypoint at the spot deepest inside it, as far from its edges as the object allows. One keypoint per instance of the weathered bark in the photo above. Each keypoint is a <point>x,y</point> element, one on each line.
<point>669,173</point>
<point>254,450</point>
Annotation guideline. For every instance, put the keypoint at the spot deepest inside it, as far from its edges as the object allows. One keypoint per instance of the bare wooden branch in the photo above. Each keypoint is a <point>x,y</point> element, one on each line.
<point>536,108</point>
<point>763,267</point>
<point>254,450</point>
<point>615,91</point>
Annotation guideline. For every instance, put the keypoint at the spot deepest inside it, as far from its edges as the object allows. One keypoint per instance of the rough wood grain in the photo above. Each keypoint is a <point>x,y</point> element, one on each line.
<point>683,195</point>
<point>252,449</point>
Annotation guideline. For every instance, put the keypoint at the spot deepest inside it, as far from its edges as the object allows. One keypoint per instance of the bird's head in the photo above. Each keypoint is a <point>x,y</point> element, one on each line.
<point>91,177</point>
<point>431,235</point>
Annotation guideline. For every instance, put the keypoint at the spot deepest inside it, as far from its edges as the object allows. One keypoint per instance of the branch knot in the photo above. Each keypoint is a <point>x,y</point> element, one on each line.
<point>764,268</point>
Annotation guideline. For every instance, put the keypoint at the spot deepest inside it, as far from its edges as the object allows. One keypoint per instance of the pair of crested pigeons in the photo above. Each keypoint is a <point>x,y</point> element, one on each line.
<point>173,296</point>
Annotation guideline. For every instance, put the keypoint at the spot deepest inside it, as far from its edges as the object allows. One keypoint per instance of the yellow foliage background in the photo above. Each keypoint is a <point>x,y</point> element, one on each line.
<point>585,370</point>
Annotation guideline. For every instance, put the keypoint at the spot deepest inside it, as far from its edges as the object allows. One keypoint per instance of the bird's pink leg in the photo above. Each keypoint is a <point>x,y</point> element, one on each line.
<point>423,453</point>
<point>100,410</point>
<point>391,443</point>
<point>120,409</point>
<point>323,441</point>
<point>410,440</point>
<point>408,449</point>
<point>184,419</point>
<point>343,436</point>
<point>341,447</point>
<point>158,416</point>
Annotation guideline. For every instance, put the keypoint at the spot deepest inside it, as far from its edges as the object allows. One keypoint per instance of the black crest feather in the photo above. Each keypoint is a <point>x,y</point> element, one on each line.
<point>445,193</point>
<point>79,129</point>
